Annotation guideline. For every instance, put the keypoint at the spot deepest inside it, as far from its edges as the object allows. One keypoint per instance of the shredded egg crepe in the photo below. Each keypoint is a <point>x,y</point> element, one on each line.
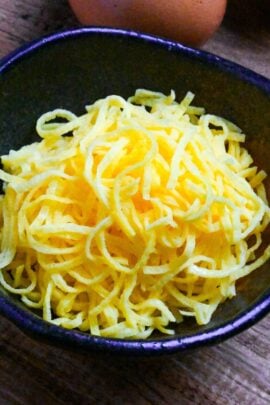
<point>132,216</point>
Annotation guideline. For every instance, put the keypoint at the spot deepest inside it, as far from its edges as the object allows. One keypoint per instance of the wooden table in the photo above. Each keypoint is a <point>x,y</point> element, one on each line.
<point>234,372</point>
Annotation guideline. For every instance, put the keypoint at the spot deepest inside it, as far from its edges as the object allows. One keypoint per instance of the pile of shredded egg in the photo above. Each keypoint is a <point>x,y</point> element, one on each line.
<point>132,216</point>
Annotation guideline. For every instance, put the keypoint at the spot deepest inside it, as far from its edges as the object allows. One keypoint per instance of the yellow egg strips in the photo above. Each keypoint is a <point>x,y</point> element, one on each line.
<point>132,216</point>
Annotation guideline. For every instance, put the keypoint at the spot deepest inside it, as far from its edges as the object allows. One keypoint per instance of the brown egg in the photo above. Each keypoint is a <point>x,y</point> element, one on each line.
<point>189,21</point>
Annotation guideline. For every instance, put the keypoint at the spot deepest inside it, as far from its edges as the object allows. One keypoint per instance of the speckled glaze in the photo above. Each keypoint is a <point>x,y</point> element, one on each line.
<point>74,68</point>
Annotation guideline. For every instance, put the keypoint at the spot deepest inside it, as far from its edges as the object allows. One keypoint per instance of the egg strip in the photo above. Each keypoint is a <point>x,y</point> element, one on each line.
<point>150,212</point>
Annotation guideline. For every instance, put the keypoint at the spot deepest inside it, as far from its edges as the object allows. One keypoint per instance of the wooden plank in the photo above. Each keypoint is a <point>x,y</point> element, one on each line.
<point>230,373</point>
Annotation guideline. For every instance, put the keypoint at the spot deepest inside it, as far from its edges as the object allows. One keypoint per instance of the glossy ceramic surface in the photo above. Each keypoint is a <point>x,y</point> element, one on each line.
<point>74,68</point>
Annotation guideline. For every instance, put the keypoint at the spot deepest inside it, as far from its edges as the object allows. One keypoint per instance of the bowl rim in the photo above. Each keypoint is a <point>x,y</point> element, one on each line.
<point>34,325</point>
<point>222,63</point>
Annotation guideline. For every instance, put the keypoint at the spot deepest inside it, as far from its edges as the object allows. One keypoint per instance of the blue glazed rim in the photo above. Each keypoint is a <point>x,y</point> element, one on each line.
<point>237,70</point>
<point>34,325</point>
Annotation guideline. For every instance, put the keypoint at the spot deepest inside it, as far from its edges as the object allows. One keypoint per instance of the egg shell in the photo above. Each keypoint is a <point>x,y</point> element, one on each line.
<point>191,22</point>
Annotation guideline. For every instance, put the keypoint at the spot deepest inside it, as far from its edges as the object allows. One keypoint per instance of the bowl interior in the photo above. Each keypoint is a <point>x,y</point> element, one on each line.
<point>75,70</point>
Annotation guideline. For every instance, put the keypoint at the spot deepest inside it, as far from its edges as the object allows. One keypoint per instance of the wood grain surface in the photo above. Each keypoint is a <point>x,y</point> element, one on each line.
<point>234,372</point>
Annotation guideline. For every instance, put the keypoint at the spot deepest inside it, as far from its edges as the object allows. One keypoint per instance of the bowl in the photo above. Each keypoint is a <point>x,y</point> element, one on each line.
<point>73,68</point>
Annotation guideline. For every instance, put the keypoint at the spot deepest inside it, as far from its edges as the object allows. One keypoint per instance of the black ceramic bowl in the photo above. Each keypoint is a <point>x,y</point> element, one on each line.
<point>74,68</point>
